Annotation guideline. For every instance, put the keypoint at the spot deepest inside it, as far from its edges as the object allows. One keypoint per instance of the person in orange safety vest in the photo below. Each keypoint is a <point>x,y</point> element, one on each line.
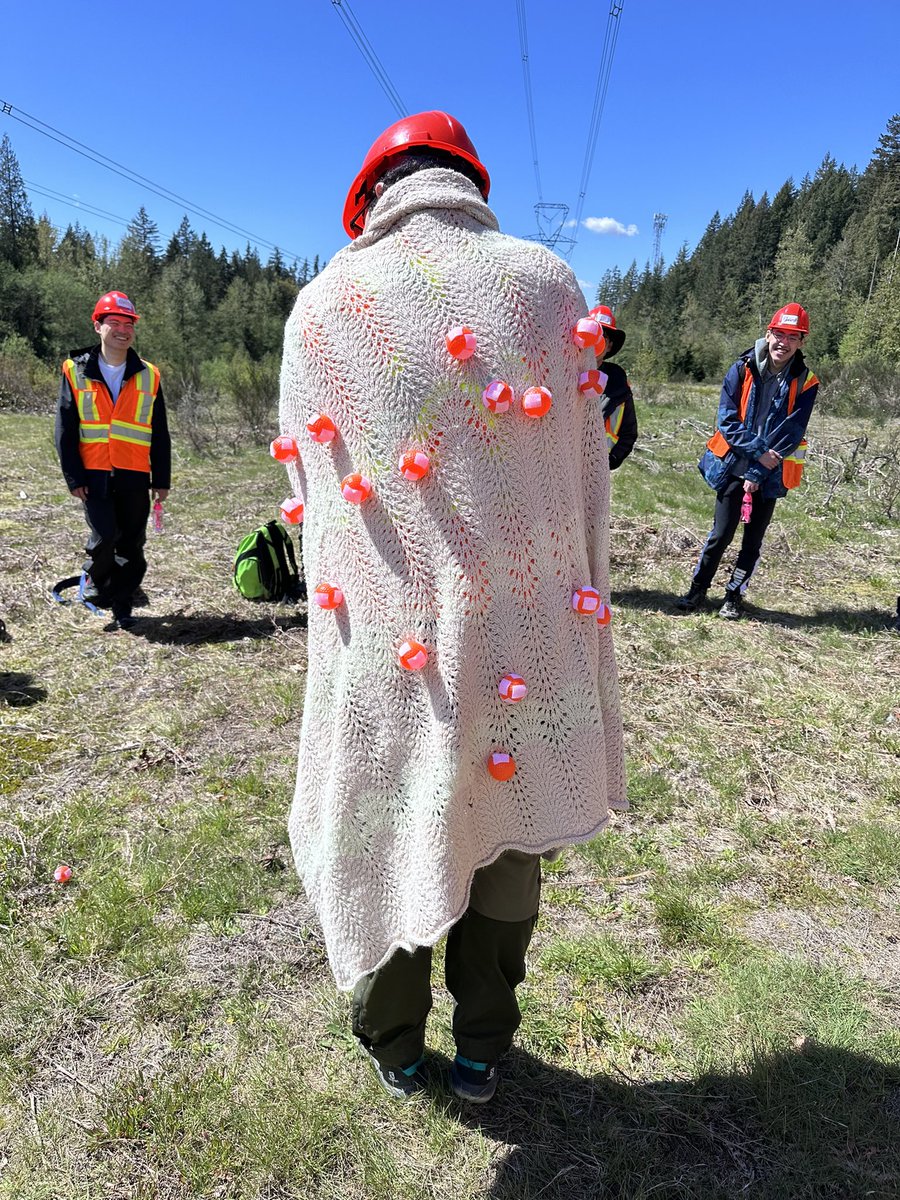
<point>112,438</point>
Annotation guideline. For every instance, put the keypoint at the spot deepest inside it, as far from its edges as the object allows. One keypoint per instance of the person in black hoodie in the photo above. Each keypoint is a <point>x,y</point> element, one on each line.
<point>619,416</point>
<point>112,438</point>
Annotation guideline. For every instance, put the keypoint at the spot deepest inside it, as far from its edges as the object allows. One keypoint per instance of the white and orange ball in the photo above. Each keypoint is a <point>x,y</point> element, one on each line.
<point>284,448</point>
<point>588,334</point>
<point>512,689</point>
<point>501,765</point>
<point>497,397</point>
<point>328,595</point>
<point>292,510</point>
<point>414,465</point>
<point>412,655</point>
<point>604,615</point>
<point>592,383</point>
<point>355,488</point>
<point>322,429</point>
<point>536,402</point>
<point>461,342</point>
<point>586,600</point>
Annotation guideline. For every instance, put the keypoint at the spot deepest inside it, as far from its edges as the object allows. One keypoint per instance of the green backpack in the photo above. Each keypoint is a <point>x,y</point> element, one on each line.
<point>265,567</point>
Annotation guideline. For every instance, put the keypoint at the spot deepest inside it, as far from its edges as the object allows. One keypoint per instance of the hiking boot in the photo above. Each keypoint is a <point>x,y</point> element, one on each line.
<point>733,608</point>
<point>475,1082</point>
<point>401,1082</point>
<point>693,599</point>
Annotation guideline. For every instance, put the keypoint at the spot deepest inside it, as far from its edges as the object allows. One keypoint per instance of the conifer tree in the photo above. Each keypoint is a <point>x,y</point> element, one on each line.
<point>18,230</point>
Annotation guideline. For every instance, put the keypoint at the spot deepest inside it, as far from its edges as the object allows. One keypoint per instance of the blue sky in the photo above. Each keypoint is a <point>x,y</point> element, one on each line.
<point>262,114</point>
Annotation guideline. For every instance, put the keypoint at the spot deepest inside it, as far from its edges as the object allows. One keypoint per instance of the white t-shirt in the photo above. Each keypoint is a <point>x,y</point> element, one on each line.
<point>113,377</point>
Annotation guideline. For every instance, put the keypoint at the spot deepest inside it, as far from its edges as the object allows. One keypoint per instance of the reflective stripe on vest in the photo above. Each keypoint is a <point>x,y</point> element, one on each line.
<point>114,435</point>
<point>613,424</point>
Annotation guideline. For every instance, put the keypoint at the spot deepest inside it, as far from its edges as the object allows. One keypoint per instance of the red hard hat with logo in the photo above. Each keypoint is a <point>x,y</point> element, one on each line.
<point>114,304</point>
<point>615,338</point>
<point>791,319</point>
<point>433,130</point>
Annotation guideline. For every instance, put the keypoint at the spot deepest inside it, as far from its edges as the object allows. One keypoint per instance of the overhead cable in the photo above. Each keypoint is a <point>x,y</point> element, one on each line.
<point>374,63</point>
<point>529,102</point>
<point>117,168</point>
<point>82,205</point>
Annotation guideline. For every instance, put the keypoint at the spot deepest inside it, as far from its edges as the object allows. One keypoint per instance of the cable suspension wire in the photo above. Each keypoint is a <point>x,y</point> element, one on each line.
<point>82,205</point>
<point>117,168</point>
<point>529,102</point>
<point>374,63</point>
<point>606,60</point>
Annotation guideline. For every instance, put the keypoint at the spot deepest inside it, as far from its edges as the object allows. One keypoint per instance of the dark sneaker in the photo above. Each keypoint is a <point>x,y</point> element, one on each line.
<point>126,621</point>
<point>692,599</point>
<point>733,608</point>
<point>401,1082</point>
<point>473,1081</point>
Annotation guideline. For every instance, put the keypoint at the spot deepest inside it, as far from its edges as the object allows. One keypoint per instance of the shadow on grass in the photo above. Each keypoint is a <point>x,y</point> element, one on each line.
<point>853,620</point>
<point>17,690</point>
<point>180,629</point>
<point>806,1125</point>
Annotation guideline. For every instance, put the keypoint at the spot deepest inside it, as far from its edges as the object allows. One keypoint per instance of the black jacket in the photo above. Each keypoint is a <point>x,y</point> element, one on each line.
<point>618,391</point>
<point>73,469</point>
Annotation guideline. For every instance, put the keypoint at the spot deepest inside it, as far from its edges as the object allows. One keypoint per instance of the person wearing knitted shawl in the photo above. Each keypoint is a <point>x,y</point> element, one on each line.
<point>462,709</point>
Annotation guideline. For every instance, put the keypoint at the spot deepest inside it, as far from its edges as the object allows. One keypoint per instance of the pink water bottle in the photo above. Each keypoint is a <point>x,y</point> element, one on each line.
<point>157,516</point>
<point>747,507</point>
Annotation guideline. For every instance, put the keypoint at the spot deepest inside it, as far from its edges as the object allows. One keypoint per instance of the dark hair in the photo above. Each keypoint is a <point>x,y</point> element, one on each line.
<point>418,158</point>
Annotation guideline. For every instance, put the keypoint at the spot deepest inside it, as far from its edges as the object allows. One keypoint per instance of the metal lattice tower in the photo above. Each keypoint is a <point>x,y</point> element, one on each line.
<point>659,224</point>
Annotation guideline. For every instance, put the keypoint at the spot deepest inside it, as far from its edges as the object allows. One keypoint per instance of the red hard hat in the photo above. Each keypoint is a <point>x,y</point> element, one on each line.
<point>116,303</point>
<point>791,319</point>
<point>604,314</point>
<point>436,130</point>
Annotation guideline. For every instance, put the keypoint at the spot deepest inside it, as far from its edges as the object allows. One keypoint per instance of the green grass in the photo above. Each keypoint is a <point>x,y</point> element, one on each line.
<point>710,1009</point>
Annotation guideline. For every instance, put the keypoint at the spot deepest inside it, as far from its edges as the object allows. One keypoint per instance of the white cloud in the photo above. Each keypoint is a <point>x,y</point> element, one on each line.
<point>570,224</point>
<point>587,286</point>
<point>609,225</point>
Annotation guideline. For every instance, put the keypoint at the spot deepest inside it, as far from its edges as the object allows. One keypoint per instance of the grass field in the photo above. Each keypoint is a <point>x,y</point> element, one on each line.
<point>713,1002</point>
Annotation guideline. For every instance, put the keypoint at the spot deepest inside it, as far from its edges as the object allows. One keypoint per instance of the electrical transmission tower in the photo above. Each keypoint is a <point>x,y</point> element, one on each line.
<point>659,224</point>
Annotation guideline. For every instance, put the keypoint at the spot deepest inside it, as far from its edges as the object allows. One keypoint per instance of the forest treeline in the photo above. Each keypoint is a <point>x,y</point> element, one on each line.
<point>830,244</point>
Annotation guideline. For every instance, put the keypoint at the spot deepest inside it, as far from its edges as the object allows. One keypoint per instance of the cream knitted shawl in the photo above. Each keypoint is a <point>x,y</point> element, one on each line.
<point>394,808</point>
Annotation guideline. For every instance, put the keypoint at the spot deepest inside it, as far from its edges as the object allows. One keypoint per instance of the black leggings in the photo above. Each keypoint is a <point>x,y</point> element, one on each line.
<point>726,520</point>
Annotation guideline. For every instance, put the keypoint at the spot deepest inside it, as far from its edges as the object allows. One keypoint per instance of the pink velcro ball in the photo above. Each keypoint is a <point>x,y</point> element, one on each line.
<point>592,383</point>
<point>588,333</point>
<point>604,615</point>
<point>414,465</point>
<point>586,600</point>
<point>413,655</point>
<point>536,402</point>
<point>63,873</point>
<point>497,396</point>
<point>355,488</point>
<point>328,595</point>
<point>501,765</point>
<point>322,429</point>
<point>284,449</point>
<point>292,511</point>
<point>461,342</point>
<point>512,689</point>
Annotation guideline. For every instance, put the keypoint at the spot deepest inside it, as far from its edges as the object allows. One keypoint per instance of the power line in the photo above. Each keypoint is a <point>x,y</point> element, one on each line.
<point>529,102</point>
<point>374,63</point>
<point>83,206</point>
<point>117,168</point>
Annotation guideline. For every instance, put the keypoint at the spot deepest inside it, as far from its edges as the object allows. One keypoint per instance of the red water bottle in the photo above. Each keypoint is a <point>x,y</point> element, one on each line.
<point>157,515</point>
<point>747,507</point>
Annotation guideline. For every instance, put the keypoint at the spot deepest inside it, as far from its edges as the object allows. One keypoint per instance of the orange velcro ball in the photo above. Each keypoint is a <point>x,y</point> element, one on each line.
<point>63,873</point>
<point>328,595</point>
<point>497,397</point>
<point>322,429</point>
<point>586,600</point>
<point>604,614</point>
<point>292,511</point>
<point>284,449</point>
<point>536,402</point>
<point>592,383</point>
<point>512,689</point>
<point>461,342</point>
<point>355,488</point>
<point>588,332</point>
<point>501,765</point>
<point>413,655</point>
<point>414,465</point>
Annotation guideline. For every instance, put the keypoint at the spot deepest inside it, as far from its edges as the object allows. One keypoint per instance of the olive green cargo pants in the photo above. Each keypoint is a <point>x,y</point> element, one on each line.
<point>484,963</point>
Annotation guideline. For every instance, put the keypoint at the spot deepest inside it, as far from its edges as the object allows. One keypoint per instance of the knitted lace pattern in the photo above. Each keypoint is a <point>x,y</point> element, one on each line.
<point>394,807</point>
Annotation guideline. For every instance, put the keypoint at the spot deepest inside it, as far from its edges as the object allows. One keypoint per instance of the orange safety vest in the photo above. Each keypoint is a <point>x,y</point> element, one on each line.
<point>114,435</point>
<point>613,424</point>
<point>792,466</point>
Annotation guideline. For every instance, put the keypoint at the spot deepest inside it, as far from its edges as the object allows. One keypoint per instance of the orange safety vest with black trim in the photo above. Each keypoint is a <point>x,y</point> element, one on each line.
<point>792,465</point>
<point>613,424</point>
<point>114,435</point>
